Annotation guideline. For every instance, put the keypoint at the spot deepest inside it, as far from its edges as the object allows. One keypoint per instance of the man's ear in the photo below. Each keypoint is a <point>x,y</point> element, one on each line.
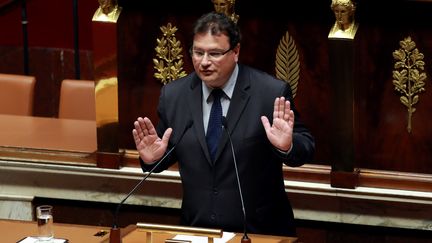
<point>236,51</point>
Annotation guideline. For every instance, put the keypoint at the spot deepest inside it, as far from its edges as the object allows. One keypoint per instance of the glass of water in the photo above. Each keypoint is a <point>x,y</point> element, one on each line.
<point>45,222</point>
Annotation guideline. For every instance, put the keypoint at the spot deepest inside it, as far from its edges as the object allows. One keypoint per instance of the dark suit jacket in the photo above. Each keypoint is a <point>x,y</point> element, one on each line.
<point>210,191</point>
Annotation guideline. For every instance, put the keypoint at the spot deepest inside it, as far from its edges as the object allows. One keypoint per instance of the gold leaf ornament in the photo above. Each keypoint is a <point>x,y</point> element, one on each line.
<point>287,66</point>
<point>408,78</point>
<point>168,62</point>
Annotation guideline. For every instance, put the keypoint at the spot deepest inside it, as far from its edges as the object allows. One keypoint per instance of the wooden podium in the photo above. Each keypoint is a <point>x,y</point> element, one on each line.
<point>140,234</point>
<point>14,230</point>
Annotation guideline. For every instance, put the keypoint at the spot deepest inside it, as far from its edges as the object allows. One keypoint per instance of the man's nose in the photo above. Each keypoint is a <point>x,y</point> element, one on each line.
<point>205,59</point>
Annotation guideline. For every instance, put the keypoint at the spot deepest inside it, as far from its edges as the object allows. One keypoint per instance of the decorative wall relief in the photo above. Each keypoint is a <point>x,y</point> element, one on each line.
<point>407,76</point>
<point>287,65</point>
<point>169,60</point>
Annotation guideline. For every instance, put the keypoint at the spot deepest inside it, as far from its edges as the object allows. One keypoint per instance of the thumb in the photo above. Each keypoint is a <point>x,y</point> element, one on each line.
<point>266,123</point>
<point>166,136</point>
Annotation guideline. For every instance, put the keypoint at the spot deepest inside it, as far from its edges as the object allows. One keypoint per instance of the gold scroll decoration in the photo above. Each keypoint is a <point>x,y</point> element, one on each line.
<point>168,61</point>
<point>287,65</point>
<point>408,80</point>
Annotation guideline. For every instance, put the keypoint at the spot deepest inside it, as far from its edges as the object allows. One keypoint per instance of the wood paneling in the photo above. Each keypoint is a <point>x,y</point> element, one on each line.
<point>381,141</point>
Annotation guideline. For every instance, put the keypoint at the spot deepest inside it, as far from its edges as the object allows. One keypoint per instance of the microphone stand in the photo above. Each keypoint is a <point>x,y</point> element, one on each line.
<point>245,238</point>
<point>115,236</point>
<point>115,230</point>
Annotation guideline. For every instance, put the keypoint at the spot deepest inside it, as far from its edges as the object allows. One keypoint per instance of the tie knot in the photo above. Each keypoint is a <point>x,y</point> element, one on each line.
<point>217,93</point>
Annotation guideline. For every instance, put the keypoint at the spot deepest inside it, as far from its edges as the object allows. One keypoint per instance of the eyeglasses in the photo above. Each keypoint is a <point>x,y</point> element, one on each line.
<point>211,55</point>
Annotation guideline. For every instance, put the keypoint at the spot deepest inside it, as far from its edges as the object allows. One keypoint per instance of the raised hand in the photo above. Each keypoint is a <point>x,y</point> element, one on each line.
<point>149,146</point>
<point>280,133</point>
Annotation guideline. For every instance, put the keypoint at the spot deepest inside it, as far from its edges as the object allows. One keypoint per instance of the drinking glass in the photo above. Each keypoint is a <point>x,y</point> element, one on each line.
<point>45,222</point>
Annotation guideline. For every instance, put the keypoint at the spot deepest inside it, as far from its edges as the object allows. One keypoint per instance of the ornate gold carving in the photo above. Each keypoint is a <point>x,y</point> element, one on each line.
<point>108,11</point>
<point>287,62</point>
<point>407,78</point>
<point>226,7</point>
<point>345,25</point>
<point>169,62</point>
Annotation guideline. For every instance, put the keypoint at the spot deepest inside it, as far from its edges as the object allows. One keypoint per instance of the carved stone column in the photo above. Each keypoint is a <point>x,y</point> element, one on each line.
<point>106,89</point>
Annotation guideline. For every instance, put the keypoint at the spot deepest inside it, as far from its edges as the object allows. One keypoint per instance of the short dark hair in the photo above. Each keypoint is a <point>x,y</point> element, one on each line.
<point>217,23</point>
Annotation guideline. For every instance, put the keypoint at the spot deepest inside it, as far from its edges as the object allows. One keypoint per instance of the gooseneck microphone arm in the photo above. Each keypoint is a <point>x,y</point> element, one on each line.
<point>115,225</point>
<point>245,238</point>
<point>137,185</point>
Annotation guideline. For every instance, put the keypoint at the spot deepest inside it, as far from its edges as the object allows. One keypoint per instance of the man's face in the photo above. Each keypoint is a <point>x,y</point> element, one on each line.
<point>212,58</point>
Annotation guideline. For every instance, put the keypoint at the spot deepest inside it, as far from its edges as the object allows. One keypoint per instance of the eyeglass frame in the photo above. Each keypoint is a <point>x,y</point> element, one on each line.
<point>211,55</point>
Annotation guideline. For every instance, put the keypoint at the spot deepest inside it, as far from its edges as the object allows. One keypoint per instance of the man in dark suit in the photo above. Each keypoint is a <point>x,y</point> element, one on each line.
<point>211,195</point>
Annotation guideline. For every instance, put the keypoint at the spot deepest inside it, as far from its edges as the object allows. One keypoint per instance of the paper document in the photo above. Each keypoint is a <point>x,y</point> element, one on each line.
<point>31,239</point>
<point>226,236</point>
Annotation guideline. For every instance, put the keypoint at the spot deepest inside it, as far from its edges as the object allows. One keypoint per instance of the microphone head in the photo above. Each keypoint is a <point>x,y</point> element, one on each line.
<point>224,121</point>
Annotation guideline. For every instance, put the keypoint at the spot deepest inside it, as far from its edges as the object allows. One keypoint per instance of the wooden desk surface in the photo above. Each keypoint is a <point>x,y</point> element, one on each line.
<point>48,133</point>
<point>14,230</point>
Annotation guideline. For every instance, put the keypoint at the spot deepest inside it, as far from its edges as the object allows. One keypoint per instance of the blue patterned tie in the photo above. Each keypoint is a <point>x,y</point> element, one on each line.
<point>214,128</point>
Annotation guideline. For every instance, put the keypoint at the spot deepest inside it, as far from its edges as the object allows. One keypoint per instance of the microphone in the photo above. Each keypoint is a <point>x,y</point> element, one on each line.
<point>245,238</point>
<point>115,231</point>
